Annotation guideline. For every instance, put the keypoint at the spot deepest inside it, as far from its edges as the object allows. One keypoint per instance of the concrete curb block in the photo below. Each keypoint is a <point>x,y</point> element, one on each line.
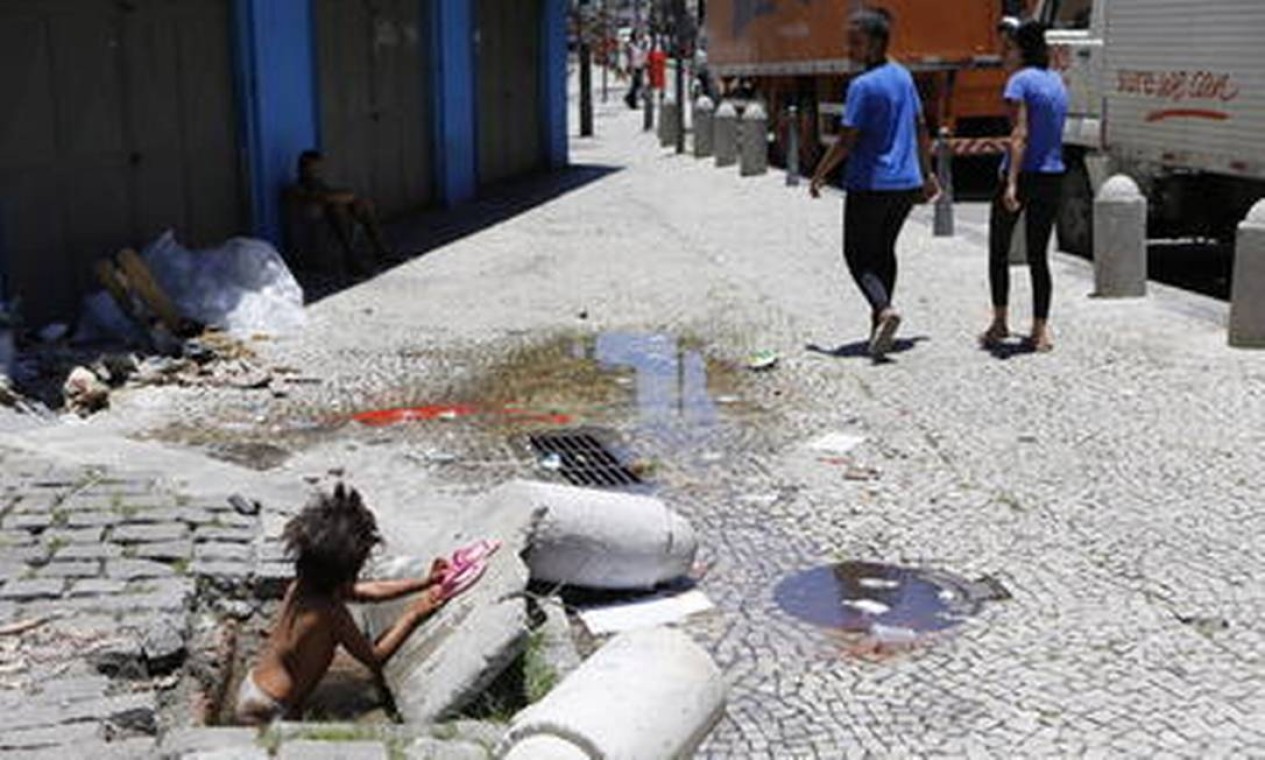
<point>604,539</point>
<point>646,695</point>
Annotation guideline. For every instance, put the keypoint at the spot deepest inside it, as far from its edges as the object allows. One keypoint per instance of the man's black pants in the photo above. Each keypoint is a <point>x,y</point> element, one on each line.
<point>871,223</point>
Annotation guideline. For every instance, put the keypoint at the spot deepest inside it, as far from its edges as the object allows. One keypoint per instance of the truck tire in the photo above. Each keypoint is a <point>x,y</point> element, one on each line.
<point>1076,214</point>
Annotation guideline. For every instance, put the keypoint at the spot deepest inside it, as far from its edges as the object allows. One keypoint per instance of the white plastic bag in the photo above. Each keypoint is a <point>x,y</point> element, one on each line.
<point>242,287</point>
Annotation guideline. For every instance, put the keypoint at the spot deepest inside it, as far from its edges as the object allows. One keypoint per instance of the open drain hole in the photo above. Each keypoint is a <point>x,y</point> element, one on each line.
<point>888,602</point>
<point>582,458</point>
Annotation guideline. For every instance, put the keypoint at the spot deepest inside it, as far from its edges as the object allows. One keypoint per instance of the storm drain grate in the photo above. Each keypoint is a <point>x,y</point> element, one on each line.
<point>581,459</point>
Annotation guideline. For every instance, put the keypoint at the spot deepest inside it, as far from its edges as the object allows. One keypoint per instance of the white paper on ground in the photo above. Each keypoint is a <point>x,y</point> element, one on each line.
<point>647,613</point>
<point>838,443</point>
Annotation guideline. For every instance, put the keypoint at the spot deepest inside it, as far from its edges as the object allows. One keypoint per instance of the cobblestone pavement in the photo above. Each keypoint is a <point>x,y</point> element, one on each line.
<point>1110,487</point>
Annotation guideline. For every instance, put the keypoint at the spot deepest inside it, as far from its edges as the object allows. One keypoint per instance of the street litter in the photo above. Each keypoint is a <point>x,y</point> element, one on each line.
<point>84,392</point>
<point>758,361</point>
<point>242,286</point>
<point>867,606</point>
<point>661,609</point>
<point>837,443</point>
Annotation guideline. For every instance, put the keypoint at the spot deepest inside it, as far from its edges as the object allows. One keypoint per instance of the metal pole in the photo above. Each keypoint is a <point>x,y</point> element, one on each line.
<point>944,171</point>
<point>792,148</point>
<point>606,53</point>
<point>586,74</point>
<point>680,83</point>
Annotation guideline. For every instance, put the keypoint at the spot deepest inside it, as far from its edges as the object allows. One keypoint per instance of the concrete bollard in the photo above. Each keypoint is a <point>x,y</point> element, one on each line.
<point>943,225</point>
<point>647,694</point>
<point>604,539</point>
<point>792,147</point>
<point>1247,288</point>
<point>725,134</point>
<point>1120,240</point>
<point>704,109</point>
<point>668,123</point>
<point>753,143</point>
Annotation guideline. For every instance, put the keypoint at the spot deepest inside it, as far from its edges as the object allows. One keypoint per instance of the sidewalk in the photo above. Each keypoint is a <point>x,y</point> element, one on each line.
<point>1110,487</point>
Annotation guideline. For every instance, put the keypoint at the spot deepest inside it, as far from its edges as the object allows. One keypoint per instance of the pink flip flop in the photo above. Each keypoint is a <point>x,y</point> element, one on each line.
<point>478,551</point>
<point>460,579</point>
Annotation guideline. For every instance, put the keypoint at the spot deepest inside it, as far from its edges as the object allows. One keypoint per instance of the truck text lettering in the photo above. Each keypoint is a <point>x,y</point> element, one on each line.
<point>1178,86</point>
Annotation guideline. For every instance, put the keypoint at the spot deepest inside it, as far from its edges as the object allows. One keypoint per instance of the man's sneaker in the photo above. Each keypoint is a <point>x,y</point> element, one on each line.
<point>884,334</point>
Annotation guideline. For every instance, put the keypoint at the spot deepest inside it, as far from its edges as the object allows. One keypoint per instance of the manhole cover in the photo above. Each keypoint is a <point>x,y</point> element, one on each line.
<point>886,601</point>
<point>582,459</point>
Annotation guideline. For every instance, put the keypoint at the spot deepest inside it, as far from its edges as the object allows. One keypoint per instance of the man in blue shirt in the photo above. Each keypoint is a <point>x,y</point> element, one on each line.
<point>889,168</point>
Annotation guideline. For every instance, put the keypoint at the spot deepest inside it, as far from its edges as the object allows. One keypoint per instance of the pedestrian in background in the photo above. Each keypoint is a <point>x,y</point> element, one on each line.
<point>884,138</point>
<point>636,69</point>
<point>1031,182</point>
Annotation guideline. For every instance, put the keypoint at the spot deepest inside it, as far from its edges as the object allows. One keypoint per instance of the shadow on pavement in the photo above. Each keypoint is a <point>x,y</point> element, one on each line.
<point>861,348</point>
<point>422,233</point>
<point>1008,349</point>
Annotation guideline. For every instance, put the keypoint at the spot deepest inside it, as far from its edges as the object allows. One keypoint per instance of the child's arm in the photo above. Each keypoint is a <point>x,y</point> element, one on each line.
<point>375,655</point>
<point>386,590</point>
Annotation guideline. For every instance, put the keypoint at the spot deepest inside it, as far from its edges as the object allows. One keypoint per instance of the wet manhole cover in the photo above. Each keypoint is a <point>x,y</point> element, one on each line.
<point>892,604</point>
<point>581,458</point>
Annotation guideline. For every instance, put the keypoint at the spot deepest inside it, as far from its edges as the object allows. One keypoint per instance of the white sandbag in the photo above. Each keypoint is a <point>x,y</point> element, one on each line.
<point>243,286</point>
<point>646,695</point>
<point>602,539</point>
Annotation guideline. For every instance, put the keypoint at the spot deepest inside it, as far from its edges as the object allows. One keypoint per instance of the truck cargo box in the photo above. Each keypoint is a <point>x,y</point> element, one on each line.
<point>796,37</point>
<point>1185,84</point>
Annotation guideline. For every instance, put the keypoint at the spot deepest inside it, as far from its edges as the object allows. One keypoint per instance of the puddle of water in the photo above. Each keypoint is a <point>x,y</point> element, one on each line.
<point>891,603</point>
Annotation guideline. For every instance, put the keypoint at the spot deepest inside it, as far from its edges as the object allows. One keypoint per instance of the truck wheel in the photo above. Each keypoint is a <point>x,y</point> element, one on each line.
<point>1076,215</point>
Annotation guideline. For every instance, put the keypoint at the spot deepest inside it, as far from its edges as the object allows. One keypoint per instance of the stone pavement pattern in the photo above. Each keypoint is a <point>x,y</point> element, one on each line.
<point>1112,486</point>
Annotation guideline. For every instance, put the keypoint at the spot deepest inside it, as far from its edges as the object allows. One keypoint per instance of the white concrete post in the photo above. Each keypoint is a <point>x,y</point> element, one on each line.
<point>704,109</point>
<point>1120,240</point>
<point>668,123</point>
<point>754,141</point>
<point>725,134</point>
<point>647,694</point>
<point>1247,289</point>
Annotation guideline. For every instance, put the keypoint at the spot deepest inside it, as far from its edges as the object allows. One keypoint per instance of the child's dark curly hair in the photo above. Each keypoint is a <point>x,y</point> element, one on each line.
<point>331,538</point>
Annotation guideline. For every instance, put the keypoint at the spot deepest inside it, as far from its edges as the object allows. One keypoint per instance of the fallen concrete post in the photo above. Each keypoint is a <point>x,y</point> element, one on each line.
<point>646,695</point>
<point>754,142</point>
<point>602,539</point>
<point>725,134</point>
<point>453,656</point>
<point>1120,240</point>
<point>1247,288</point>
<point>704,109</point>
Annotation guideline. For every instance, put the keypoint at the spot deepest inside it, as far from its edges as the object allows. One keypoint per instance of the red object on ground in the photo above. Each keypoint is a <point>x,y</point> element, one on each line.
<point>657,62</point>
<point>385,417</point>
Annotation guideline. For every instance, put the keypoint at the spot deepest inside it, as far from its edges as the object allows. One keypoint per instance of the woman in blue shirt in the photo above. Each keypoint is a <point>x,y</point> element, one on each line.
<point>1032,175</point>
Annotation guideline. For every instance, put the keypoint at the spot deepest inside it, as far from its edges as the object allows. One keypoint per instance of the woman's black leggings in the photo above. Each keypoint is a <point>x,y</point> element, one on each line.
<point>871,223</point>
<point>1039,194</point>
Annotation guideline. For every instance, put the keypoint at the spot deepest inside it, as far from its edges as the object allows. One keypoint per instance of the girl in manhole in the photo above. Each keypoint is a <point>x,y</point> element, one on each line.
<point>330,541</point>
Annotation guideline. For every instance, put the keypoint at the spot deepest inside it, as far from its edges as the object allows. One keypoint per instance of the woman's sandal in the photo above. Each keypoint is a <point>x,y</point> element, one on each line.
<point>460,579</point>
<point>476,552</point>
<point>993,336</point>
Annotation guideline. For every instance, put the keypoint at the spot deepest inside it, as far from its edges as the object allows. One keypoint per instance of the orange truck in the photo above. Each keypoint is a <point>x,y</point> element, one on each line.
<point>795,52</point>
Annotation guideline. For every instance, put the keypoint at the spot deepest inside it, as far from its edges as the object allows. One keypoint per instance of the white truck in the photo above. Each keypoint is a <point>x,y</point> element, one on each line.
<point>1171,93</point>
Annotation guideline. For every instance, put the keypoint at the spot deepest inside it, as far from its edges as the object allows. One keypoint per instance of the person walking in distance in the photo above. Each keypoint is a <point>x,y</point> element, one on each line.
<point>1031,181</point>
<point>885,141</point>
<point>636,69</point>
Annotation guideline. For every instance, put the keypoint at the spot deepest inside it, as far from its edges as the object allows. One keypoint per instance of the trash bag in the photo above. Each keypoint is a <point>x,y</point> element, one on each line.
<point>243,287</point>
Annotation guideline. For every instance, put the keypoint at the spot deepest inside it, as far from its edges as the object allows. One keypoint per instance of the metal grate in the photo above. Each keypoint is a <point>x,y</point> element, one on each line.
<point>582,459</point>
